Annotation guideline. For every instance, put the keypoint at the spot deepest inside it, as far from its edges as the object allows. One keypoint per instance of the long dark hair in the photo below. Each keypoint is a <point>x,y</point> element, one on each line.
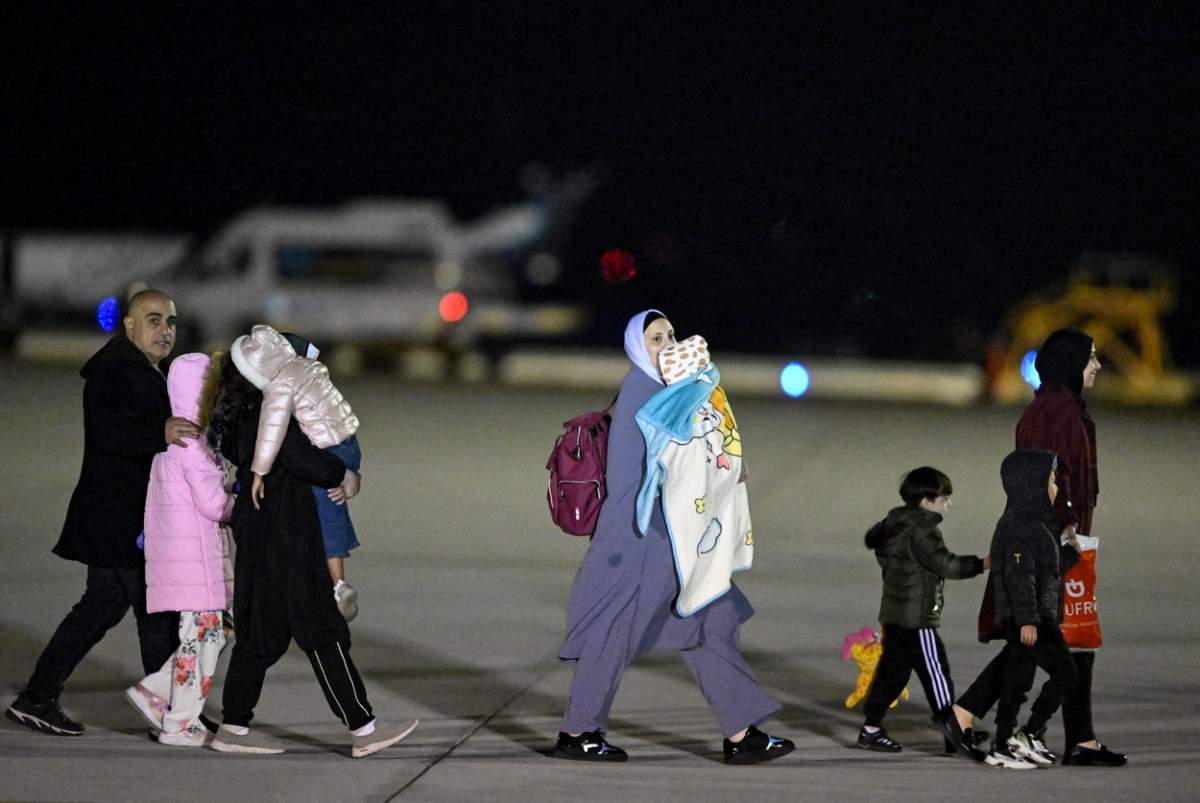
<point>234,396</point>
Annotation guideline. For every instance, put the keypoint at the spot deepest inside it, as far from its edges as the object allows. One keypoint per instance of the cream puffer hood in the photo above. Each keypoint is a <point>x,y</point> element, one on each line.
<point>292,387</point>
<point>259,355</point>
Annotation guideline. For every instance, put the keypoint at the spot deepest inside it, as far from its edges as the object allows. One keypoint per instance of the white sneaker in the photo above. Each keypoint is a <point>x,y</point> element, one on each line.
<point>188,737</point>
<point>1006,760</point>
<point>148,704</point>
<point>383,736</point>
<point>1040,747</point>
<point>1020,744</point>
<point>255,741</point>
<point>346,598</point>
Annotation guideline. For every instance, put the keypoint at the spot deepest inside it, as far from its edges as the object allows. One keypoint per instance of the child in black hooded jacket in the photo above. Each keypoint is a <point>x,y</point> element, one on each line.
<point>1027,566</point>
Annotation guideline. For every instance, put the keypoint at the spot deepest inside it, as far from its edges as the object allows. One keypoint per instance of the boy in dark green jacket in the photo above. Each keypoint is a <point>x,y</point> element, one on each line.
<point>915,563</point>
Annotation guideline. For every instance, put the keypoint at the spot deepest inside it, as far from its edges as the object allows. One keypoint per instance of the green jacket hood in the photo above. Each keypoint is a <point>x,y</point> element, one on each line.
<point>898,521</point>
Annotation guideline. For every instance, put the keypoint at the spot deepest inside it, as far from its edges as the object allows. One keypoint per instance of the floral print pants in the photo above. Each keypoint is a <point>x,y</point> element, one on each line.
<point>184,680</point>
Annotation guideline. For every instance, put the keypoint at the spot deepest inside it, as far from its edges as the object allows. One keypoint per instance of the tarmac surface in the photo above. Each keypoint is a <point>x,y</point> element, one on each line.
<point>464,583</point>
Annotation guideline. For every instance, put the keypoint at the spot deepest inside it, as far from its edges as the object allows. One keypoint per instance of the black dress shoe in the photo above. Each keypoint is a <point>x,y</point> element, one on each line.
<point>587,746</point>
<point>972,736</point>
<point>955,737</point>
<point>1087,757</point>
<point>756,746</point>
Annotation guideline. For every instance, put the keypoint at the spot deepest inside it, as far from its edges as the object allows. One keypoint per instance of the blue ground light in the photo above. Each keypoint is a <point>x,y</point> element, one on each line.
<point>107,312</point>
<point>1029,370</point>
<point>794,380</point>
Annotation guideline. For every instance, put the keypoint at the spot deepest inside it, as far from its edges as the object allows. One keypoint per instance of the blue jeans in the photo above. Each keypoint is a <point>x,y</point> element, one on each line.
<point>336,528</point>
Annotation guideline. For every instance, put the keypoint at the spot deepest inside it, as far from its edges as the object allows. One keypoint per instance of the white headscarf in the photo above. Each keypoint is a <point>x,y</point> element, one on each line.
<point>635,345</point>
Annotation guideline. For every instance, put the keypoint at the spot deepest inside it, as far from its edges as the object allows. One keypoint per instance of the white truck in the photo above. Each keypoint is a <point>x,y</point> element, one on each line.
<point>371,271</point>
<point>368,272</point>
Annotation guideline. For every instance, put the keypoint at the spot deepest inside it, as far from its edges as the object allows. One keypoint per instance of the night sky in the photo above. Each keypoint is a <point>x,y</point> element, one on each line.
<point>809,178</point>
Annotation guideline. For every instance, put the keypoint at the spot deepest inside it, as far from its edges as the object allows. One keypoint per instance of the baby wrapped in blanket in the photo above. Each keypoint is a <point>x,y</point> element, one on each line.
<point>694,461</point>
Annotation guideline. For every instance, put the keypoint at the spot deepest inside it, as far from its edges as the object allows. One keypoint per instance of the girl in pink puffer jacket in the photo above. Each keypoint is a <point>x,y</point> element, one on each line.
<point>187,567</point>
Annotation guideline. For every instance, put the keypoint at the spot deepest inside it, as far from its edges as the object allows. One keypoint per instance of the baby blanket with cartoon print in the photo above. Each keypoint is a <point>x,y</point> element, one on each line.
<point>694,461</point>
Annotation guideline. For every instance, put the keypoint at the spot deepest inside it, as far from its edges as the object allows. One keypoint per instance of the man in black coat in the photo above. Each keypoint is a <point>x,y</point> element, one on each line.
<point>126,421</point>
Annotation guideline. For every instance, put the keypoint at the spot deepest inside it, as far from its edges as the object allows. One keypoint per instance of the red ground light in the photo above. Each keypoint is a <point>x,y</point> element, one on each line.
<point>453,307</point>
<point>617,266</point>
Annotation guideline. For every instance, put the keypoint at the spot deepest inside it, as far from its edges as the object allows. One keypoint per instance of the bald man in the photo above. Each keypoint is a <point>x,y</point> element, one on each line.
<point>126,421</point>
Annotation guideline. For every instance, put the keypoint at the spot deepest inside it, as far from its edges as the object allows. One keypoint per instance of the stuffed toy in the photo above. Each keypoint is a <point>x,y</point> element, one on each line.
<point>865,647</point>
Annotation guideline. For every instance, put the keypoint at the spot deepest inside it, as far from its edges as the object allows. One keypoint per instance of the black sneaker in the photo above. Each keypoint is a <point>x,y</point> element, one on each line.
<point>955,737</point>
<point>756,746</point>
<point>46,716</point>
<point>588,746</point>
<point>1087,757</point>
<point>878,741</point>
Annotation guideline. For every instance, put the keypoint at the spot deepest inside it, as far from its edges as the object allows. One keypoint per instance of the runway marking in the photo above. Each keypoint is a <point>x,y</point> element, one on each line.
<point>553,664</point>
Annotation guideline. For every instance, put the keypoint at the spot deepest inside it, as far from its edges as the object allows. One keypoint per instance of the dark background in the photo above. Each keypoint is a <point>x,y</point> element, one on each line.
<point>804,178</point>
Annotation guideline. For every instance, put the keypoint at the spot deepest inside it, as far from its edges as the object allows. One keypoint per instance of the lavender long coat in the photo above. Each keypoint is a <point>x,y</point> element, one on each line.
<point>622,567</point>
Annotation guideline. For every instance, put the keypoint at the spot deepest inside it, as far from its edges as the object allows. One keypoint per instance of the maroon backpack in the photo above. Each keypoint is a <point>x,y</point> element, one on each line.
<point>577,464</point>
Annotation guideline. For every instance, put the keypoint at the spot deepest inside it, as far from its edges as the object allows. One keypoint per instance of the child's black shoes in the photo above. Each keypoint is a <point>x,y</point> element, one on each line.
<point>879,741</point>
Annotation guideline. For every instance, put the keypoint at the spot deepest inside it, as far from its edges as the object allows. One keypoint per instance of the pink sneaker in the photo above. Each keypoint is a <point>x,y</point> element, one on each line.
<point>192,736</point>
<point>148,704</point>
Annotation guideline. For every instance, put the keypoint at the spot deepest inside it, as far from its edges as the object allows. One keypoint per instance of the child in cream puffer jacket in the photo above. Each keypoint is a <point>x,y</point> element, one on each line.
<point>293,383</point>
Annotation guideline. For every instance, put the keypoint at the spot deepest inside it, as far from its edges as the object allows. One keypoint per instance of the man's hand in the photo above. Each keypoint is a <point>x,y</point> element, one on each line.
<point>258,490</point>
<point>987,563</point>
<point>1029,635</point>
<point>351,485</point>
<point>178,428</point>
<point>1069,538</point>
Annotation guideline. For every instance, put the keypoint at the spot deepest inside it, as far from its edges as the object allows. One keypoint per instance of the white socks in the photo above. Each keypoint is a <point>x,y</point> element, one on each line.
<point>365,730</point>
<point>235,730</point>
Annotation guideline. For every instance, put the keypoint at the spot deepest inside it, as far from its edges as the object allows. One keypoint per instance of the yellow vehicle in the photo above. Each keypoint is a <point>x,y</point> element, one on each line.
<point>1119,300</point>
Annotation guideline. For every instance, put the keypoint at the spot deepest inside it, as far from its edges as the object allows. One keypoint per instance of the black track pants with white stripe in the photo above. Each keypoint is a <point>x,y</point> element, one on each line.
<point>906,650</point>
<point>335,671</point>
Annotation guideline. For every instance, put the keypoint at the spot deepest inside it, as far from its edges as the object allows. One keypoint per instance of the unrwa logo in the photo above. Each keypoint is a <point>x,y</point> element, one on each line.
<point>1075,588</point>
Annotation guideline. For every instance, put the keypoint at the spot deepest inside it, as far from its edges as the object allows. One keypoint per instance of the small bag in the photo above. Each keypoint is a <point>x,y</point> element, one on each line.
<point>986,626</point>
<point>1081,620</point>
<point>577,466</point>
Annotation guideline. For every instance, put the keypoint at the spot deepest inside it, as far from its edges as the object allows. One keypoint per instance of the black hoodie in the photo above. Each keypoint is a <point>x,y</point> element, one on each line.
<point>125,411</point>
<point>1062,358</point>
<point>1026,561</point>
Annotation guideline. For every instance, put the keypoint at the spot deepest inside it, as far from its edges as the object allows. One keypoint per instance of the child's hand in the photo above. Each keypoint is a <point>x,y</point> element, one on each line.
<point>257,490</point>
<point>987,563</point>
<point>1029,635</point>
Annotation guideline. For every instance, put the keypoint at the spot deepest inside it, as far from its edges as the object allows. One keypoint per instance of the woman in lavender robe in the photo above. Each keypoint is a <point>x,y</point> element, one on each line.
<point>621,603</point>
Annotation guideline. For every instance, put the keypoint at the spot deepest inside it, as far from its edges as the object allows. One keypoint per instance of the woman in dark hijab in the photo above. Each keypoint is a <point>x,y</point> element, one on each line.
<point>621,602</point>
<point>1057,420</point>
